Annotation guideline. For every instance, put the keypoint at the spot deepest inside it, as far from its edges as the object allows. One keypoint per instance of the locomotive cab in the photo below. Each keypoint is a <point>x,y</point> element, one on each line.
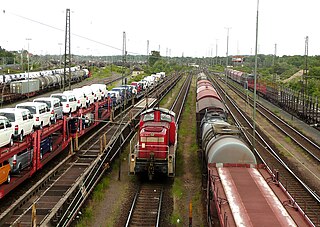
<point>156,143</point>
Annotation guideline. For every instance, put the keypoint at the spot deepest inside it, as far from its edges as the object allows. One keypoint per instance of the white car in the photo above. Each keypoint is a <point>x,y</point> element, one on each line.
<point>102,90</point>
<point>54,105</point>
<point>6,132</point>
<point>93,92</point>
<point>80,97</point>
<point>40,111</point>
<point>89,95</point>
<point>21,121</point>
<point>69,102</point>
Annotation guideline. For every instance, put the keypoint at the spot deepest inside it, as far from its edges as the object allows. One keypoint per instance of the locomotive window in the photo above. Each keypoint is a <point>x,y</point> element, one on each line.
<point>165,117</point>
<point>148,117</point>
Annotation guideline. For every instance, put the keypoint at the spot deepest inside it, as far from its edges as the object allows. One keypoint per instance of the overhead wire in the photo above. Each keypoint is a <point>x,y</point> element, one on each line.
<point>80,36</point>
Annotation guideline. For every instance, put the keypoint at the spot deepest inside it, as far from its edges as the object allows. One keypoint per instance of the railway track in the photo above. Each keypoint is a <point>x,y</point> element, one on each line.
<point>147,203</point>
<point>302,197</point>
<point>146,206</point>
<point>308,146</point>
<point>60,194</point>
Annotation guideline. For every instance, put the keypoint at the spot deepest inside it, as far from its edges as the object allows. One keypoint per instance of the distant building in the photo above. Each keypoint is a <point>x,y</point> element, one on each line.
<point>137,71</point>
<point>193,65</point>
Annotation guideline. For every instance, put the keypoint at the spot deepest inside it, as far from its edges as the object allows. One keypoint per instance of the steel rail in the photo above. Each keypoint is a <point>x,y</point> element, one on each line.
<point>293,134</point>
<point>272,153</point>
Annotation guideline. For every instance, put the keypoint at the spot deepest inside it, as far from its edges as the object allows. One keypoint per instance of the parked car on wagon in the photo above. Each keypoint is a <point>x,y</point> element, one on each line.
<point>89,94</point>
<point>6,132</point>
<point>115,97</point>
<point>45,146</point>
<point>21,120</point>
<point>21,160</point>
<point>69,102</point>
<point>102,90</point>
<point>40,111</point>
<point>92,90</point>
<point>80,98</point>
<point>54,105</point>
<point>122,91</point>
<point>5,172</point>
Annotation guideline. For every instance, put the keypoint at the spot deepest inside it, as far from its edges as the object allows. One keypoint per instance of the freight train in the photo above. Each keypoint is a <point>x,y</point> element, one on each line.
<point>237,189</point>
<point>297,103</point>
<point>18,86</point>
<point>42,145</point>
<point>156,142</point>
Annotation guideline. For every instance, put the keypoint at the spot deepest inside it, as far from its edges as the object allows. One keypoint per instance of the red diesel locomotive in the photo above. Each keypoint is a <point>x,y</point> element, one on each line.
<point>155,144</point>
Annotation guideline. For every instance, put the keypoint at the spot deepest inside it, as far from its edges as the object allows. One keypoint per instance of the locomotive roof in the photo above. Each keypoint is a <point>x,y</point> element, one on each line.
<point>162,110</point>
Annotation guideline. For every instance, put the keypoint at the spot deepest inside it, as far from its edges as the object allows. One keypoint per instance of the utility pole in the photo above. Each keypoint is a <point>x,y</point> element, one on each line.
<point>275,54</point>
<point>305,74</point>
<point>67,51</point>
<point>216,51</point>
<point>60,44</point>
<point>124,53</point>
<point>28,59</point>
<point>255,81</point>
<point>273,61</point>
<point>226,79</point>
<point>147,50</point>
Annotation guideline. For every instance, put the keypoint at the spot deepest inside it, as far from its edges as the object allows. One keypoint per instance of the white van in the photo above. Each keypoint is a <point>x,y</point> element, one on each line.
<point>102,90</point>
<point>6,132</point>
<point>93,92</point>
<point>69,102</point>
<point>54,105</point>
<point>40,111</point>
<point>88,94</point>
<point>21,121</point>
<point>80,97</point>
<point>80,91</point>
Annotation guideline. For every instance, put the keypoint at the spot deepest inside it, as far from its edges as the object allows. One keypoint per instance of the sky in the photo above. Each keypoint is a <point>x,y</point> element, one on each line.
<point>176,27</point>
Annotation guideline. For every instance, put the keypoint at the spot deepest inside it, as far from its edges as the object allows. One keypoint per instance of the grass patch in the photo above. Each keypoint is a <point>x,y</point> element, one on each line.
<point>177,188</point>
<point>287,139</point>
<point>99,193</point>
<point>176,219</point>
<point>86,218</point>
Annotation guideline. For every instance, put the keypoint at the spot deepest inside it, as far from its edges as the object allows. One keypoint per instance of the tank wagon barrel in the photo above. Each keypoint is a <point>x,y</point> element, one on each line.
<point>233,174</point>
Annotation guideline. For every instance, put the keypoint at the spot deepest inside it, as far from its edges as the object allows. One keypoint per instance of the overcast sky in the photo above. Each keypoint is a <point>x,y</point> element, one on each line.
<point>180,26</point>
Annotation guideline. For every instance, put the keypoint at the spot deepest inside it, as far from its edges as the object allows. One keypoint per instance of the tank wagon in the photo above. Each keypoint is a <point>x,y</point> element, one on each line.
<point>238,193</point>
<point>19,86</point>
<point>156,143</point>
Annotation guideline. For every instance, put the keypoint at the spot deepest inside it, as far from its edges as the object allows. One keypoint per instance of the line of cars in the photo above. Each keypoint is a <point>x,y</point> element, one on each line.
<point>16,123</point>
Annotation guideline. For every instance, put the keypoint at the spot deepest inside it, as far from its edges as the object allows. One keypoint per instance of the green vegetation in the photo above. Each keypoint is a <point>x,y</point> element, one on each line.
<point>288,139</point>
<point>98,195</point>
<point>107,71</point>
<point>186,154</point>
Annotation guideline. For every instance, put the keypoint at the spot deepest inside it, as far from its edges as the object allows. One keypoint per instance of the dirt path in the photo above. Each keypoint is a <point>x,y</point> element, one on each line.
<point>297,74</point>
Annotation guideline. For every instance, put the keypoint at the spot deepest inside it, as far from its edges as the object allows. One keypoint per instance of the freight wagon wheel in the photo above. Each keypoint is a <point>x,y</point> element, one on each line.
<point>8,178</point>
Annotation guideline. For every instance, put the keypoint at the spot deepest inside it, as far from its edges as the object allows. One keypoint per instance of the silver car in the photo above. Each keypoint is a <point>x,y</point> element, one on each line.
<point>21,160</point>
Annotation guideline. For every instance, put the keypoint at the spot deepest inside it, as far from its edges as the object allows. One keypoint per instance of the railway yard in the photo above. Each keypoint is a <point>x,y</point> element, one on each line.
<point>93,176</point>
